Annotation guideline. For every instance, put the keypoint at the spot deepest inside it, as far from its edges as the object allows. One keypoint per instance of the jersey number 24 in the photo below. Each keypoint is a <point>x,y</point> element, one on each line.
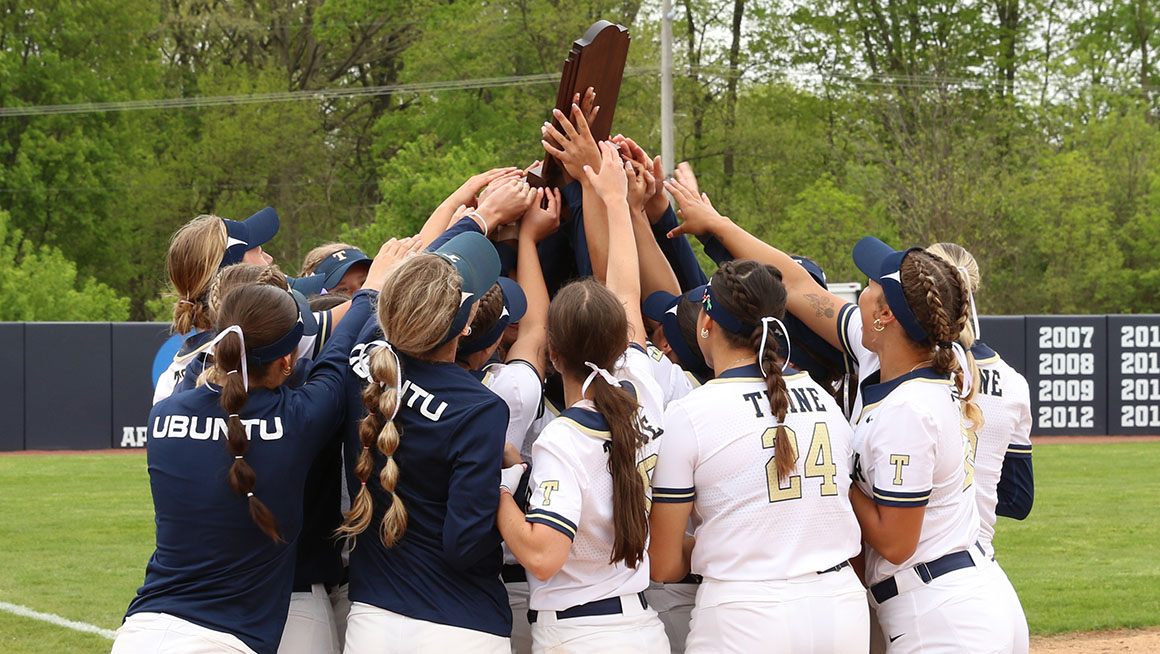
<point>819,462</point>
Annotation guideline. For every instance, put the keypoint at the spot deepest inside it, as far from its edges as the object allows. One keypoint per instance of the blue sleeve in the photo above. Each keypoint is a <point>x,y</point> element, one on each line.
<point>573,195</point>
<point>469,528</point>
<point>507,258</point>
<point>715,249</point>
<point>322,400</point>
<point>464,224</point>
<point>1016,490</point>
<point>679,253</point>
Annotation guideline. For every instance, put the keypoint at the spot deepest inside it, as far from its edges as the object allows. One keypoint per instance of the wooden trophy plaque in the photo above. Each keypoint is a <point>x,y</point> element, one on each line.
<point>597,59</point>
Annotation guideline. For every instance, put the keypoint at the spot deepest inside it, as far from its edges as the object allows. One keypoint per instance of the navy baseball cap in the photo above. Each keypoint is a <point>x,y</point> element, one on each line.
<point>477,263</point>
<point>883,264</point>
<point>248,234</point>
<point>661,306</point>
<point>515,304</point>
<point>330,271</point>
<point>813,269</point>
<point>309,324</point>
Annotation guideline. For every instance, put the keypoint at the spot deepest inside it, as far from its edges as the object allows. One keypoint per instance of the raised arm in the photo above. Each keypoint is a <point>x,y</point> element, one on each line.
<point>576,149</point>
<point>464,195</point>
<point>655,272</point>
<point>536,225</point>
<point>812,304</point>
<point>611,184</point>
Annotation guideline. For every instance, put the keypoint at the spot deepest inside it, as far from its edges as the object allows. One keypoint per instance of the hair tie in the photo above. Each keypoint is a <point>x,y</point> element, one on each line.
<point>961,357</point>
<point>944,345</point>
<point>366,447</point>
<point>399,370</point>
<point>237,456</point>
<point>192,304</point>
<point>234,415</point>
<point>597,370</point>
<point>764,335</point>
<point>242,342</point>
<point>364,483</point>
<point>250,494</point>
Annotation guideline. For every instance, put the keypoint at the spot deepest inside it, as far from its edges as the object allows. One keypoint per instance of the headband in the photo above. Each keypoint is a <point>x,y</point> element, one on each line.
<point>721,315</point>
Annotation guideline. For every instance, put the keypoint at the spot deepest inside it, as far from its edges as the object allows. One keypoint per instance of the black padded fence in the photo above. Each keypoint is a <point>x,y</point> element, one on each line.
<point>80,386</point>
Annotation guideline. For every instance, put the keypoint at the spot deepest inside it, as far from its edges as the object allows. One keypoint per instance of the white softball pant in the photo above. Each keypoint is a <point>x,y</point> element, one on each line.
<point>161,633</point>
<point>636,630</point>
<point>962,612</point>
<point>811,613</point>
<point>310,627</point>
<point>371,630</point>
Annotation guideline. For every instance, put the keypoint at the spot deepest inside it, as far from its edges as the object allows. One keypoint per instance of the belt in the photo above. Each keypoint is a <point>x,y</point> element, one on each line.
<point>843,564</point>
<point>928,572</point>
<point>608,606</point>
<point>513,573</point>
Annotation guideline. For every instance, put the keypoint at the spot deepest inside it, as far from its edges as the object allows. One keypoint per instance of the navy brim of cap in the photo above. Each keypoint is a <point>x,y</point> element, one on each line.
<point>263,226</point>
<point>876,259</point>
<point>514,299</point>
<point>475,259</point>
<point>309,324</point>
<point>309,285</point>
<point>657,304</point>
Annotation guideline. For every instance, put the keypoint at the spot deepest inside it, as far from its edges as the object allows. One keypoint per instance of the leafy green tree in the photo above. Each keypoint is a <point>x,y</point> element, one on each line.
<point>39,283</point>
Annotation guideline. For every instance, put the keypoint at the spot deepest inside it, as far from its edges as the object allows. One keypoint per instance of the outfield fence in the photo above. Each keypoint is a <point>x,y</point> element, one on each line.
<point>83,386</point>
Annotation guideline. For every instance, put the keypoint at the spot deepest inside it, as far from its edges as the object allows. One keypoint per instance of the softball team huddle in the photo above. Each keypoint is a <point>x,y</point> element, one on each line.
<point>537,426</point>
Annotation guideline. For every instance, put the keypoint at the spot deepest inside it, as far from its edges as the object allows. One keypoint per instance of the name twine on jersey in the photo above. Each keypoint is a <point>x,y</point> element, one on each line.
<point>410,393</point>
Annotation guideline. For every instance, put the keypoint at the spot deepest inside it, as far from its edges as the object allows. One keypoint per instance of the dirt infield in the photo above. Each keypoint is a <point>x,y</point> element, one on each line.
<point>1130,641</point>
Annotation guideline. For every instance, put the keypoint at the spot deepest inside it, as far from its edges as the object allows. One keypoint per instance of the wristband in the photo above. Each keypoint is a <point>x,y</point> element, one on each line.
<point>475,215</point>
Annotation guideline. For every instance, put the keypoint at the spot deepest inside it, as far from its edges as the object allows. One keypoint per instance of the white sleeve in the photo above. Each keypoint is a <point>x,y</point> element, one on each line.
<point>677,459</point>
<point>518,384</point>
<point>1021,439</point>
<point>850,336</point>
<point>903,455</point>
<point>557,487</point>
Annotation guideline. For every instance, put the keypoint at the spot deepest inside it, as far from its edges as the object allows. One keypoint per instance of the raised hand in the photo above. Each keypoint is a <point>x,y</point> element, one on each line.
<point>684,175</point>
<point>587,104</point>
<point>638,185</point>
<point>506,203</point>
<point>467,192</point>
<point>540,223</point>
<point>611,180</point>
<point>574,147</point>
<point>390,255</point>
<point>696,212</point>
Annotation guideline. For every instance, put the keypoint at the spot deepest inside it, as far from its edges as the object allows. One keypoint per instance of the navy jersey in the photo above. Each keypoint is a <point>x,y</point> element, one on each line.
<point>213,566</point>
<point>446,567</point>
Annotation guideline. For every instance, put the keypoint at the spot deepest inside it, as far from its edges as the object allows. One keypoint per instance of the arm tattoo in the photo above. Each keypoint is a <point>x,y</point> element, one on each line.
<point>822,304</point>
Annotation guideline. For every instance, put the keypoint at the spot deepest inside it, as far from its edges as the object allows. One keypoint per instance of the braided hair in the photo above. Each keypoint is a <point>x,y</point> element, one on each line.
<point>938,295</point>
<point>264,314</point>
<point>751,291</point>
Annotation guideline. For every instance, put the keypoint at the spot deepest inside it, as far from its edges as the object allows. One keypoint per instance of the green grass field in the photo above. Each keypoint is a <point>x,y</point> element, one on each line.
<point>77,530</point>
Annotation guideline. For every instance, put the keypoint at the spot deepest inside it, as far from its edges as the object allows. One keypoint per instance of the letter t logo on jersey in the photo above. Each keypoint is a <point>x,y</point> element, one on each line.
<point>899,460</point>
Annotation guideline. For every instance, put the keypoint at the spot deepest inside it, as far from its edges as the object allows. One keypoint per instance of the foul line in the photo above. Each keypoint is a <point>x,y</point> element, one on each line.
<point>52,618</point>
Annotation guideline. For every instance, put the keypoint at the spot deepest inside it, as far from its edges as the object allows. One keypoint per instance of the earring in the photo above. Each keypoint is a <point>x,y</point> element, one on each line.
<point>878,325</point>
<point>286,371</point>
<point>467,331</point>
<point>704,333</point>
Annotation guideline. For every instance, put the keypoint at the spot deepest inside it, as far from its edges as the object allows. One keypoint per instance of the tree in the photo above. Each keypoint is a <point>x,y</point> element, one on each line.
<point>39,283</point>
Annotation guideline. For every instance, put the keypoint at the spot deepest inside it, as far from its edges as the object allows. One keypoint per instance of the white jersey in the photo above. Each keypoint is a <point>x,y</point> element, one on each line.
<point>675,382</point>
<point>718,453</point>
<point>850,335</point>
<point>197,349</point>
<point>518,384</point>
<point>1005,399</point>
<point>910,450</point>
<point>572,493</point>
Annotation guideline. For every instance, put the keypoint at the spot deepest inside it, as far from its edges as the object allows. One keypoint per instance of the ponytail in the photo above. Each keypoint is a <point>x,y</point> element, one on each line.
<point>234,396</point>
<point>629,515</point>
<point>378,429</point>
<point>784,452</point>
